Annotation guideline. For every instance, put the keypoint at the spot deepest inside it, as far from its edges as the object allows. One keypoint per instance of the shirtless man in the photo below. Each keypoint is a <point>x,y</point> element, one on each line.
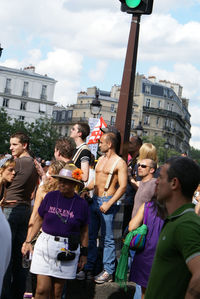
<point>104,207</point>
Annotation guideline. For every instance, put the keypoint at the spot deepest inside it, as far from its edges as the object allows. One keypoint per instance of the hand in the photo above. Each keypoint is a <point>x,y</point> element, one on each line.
<point>39,168</point>
<point>104,207</point>
<point>82,262</point>
<point>26,247</point>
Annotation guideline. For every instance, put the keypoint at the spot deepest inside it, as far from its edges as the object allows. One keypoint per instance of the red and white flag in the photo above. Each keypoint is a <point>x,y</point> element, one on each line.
<point>97,133</point>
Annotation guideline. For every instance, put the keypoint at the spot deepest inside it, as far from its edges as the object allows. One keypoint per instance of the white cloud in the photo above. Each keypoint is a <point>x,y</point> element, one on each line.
<point>99,72</point>
<point>67,67</point>
<point>167,5</point>
<point>162,38</point>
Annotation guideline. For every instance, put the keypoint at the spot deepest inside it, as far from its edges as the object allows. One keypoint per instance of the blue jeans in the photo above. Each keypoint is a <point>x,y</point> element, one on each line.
<point>105,221</point>
<point>14,284</point>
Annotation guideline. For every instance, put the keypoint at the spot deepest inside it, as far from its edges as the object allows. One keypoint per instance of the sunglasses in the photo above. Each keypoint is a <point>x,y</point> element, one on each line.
<point>143,165</point>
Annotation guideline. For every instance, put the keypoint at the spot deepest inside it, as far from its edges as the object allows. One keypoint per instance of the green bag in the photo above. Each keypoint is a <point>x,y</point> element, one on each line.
<point>122,267</point>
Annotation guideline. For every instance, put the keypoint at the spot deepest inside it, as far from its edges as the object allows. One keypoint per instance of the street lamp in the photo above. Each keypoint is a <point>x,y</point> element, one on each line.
<point>95,106</point>
<point>139,129</point>
<point>1,49</point>
<point>166,146</point>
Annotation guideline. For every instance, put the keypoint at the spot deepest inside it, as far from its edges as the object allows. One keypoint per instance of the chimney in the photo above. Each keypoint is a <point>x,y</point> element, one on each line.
<point>30,69</point>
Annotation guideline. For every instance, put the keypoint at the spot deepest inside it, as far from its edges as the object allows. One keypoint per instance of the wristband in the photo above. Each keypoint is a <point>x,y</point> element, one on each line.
<point>28,242</point>
<point>84,190</point>
<point>84,251</point>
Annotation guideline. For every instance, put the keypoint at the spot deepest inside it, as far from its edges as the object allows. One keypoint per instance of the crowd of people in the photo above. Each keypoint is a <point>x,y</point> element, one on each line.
<point>55,210</point>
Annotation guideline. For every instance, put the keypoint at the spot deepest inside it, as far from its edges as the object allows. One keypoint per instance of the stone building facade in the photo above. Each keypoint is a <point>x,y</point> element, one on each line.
<point>26,95</point>
<point>159,107</point>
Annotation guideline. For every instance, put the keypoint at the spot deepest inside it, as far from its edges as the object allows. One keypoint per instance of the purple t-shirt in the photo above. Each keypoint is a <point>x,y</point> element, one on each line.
<point>73,214</point>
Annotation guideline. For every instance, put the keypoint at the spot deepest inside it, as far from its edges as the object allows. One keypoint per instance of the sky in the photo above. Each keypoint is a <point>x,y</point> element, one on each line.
<point>83,44</point>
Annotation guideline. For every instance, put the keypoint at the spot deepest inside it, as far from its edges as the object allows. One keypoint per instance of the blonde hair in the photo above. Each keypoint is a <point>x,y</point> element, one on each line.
<point>56,166</point>
<point>148,151</point>
<point>7,163</point>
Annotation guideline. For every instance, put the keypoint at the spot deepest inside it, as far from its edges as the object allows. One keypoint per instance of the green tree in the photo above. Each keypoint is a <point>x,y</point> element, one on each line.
<point>43,137</point>
<point>42,133</point>
<point>195,154</point>
<point>5,131</point>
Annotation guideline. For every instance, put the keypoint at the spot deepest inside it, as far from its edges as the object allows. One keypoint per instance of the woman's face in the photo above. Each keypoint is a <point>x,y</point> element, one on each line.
<point>66,187</point>
<point>8,173</point>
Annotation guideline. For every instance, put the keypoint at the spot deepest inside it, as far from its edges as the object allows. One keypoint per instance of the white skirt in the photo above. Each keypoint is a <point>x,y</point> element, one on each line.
<point>44,260</point>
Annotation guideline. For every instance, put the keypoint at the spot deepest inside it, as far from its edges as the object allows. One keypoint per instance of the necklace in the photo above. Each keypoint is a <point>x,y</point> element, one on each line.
<point>64,220</point>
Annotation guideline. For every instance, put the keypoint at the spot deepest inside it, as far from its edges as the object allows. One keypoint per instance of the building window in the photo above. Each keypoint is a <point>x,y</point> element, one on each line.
<point>112,120</point>
<point>148,103</point>
<point>63,115</point>
<point>147,89</point>
<point>168,106</point>
<point>54,115</point>
<point>60,130</point>
<point>8,86</point>
<point>23,105</point>
<point>44,92</point>
<point>167,123</point>
<point>165,92</point>
<point>157,120</point>
<point>69,115</point>
<point>21,117</point>
<point>146,120</point>
<point>5,102</point>
<point>112,108</point>
<point>42,108</point>
<point>159,104</point>
<point>132,123</point>
<point>25,90</point>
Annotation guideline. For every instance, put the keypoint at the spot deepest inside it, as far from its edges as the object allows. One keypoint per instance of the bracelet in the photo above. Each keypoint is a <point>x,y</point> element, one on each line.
<point>84,190</point>
<point>28,242</point>
<point>84,251</point>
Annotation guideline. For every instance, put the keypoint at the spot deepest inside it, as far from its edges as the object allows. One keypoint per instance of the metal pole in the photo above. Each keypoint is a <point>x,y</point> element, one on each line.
<point>124,111</point>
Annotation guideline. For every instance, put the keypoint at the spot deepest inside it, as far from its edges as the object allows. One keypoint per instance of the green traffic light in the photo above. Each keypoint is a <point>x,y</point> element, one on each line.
<point>133,3</point>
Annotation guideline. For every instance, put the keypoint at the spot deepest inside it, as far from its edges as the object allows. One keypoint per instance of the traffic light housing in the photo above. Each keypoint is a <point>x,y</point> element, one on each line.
<point>137,7</point>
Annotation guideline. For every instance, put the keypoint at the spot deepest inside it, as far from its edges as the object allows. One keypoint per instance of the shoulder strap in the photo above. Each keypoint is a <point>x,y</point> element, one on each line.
<point>77,154</point>
<point>110,175</point>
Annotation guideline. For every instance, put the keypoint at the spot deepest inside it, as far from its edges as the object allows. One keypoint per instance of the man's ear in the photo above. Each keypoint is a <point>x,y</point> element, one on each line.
<point>175,184</point>
<point>80,134</point>
<point>25,145</point>
<point>152,170</point>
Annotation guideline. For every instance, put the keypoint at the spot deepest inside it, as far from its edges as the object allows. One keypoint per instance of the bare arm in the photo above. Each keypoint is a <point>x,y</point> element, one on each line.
<point>137,220</point>
<point>134,183</point>
<point>85,168</point>
<point>122,181</point>
<point>193,290</point>
<point>38,199</point>
<point>35,229</point>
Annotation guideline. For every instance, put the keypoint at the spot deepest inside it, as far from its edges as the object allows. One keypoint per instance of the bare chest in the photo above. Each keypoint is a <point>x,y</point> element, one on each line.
<point>104,166</point>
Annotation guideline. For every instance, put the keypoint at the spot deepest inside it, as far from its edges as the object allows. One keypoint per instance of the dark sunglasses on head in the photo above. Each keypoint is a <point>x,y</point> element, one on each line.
<point>143,165</point>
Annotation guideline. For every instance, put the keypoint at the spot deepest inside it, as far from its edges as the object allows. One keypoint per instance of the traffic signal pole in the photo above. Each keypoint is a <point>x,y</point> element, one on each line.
<point>124,111</point>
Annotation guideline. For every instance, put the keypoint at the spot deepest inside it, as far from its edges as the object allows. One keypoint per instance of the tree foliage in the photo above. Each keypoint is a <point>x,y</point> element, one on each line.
<point>42,135</point>
<point>195,154</point>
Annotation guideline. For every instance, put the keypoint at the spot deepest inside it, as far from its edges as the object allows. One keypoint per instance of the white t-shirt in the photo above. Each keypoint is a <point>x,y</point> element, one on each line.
<point>5,251</point>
